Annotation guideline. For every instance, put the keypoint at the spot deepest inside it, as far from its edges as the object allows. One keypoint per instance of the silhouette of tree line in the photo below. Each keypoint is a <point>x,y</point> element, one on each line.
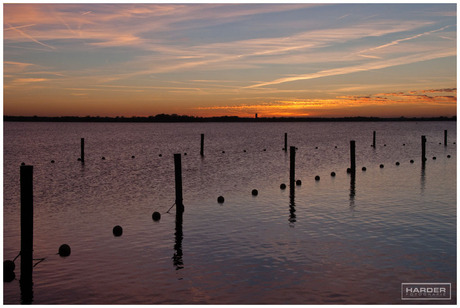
<point>185,118</point>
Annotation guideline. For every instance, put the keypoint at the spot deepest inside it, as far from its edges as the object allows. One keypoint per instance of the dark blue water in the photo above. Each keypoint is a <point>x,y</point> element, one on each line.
<point>336,240</point>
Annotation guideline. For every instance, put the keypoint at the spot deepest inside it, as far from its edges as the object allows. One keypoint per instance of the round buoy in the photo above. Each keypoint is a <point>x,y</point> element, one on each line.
<point>440,143</point>
<point>404,144</point>
<point>8,276</point>
<point>156,216</point>
<point>23,164</point>
<point>244,151</point>
<point>103,158</point>
<point>411,161</point>
<point>381,166</point>
<point>265,150</point>
<point>220,199</point>
<point>64,250</point>
<point>384,145</point>
<point>348,170</point>
<point>434,157</point>
<point>160,155</point>
<point>317,178</point>
<point>133,156</point>
<point>332,173</point>
<point>185,154</point>
<point>397,163</point>
<point>316,148</point>
<point>79,159</point>
<point>283,186</point>
<point>117,231</point>
<point>364,168</point>
<point>255,192</point>
<point>336,147</point>
<point>223,152</point>
<point>52,161</point>
<point>298,182</point>
<point>448,156</point>
<point>8,266</point>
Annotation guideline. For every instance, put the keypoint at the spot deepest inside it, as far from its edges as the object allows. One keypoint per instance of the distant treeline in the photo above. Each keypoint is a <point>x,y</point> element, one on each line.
<point>185,118</point>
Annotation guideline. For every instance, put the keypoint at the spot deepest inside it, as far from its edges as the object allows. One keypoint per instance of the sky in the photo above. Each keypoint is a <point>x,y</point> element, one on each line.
<point>216,59</point>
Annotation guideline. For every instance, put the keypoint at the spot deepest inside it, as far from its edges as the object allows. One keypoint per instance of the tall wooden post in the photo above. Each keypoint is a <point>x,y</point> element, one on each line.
<point>202,145</point>
<point>423,149</point>
<point>352,157</point>
<point>445,137</point>
<point>178,177</point>
<point>82,156</point>
<point>27,223</point>
<point>292,167</point>
<point>373,140</point>
<point>285,142</point>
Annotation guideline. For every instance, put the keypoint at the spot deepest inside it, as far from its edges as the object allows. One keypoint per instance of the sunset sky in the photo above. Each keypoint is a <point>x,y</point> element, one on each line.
<point>319,60</point>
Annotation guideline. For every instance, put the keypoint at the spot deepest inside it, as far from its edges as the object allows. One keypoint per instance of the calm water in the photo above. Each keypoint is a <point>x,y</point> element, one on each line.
<point>334,241</point>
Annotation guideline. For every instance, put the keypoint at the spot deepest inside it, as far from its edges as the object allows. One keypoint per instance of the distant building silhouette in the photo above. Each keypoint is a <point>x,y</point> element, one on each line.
<point>256,116</point>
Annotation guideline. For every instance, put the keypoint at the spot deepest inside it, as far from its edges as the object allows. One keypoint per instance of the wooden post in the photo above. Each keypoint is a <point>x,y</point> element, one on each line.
<point>27,222</point>
<point>352,157</point>
<point>202,145</point>
<point>292,168</point>
<point>178,177</point>
<point>445,137</point>
<point>285,142</point>
<point>373,140</point>
<point>423,149</point>
<point>82,150</point>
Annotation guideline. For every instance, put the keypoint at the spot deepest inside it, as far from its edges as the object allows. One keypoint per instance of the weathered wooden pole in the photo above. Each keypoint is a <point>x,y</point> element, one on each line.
<point>292,167</point>
<point>178,177</point>
<point>423,149</point>
<point>285,142</point>
<point>352,157</point>
<point>202,145</point>
<point>27,222</point>
<point>373,140</point>
<point>82,145</point>
<point>445,137</point>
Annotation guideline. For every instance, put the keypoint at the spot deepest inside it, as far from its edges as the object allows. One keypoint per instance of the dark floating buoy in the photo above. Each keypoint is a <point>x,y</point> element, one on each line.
<point>220,199</point>
<point>364,168</point>
<point>103,158</point>
<point>332,173</point>
<point>185,154</point>
<point>52,161</point>
<point>8,276</point>
<point>133,156</point>
<point>64,250</point>
<point>336,147</point>
<point>255,192</point>
<point>223,151</point>
<point>316,148</point>
<point>160,155</point>
<point>244,151</point>
<point>317,178</point>
<point>397,163</point>
<point>404,144</point>
<point>8,266</point>
<point>411,161</point>
<point>434,157</point>
<point>117,230</point>
<point>265,150</point>
<point>298,182</point>
<point>384,145</point>
<point>156,216</point>
<point>23,164</point>
<point>283,186</point>
<point>79,159</point>
<point>381,166</point>
<point>448,156</point>
<point>348,170</point>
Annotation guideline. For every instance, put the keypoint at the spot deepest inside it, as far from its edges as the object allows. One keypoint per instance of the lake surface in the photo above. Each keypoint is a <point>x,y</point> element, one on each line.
<point>341,239</point>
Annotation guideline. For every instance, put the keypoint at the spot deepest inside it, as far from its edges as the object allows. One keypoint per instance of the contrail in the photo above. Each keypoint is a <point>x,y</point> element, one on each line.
<point>28,36</point>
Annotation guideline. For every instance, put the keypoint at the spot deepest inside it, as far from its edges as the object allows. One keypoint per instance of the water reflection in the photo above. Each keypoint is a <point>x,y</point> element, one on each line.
<point>26,284</point>
<point>177,257</point>
<point>352,190</point>
<point>292,216</point>
<point>422,178</point>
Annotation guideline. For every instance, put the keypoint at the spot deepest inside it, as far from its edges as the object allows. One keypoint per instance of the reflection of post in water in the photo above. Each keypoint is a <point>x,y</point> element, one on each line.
<point>292,217</point>
<point>352,189</point>
<point>422,178</point>
<point>27,226</point>
<point>177,257</point>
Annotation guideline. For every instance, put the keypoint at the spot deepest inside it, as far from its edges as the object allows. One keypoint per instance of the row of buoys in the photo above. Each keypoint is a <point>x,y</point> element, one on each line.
<point>118,230</point>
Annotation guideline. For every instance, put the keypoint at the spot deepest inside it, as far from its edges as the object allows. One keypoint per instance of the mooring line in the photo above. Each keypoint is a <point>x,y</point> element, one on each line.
<point>171,207</point>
